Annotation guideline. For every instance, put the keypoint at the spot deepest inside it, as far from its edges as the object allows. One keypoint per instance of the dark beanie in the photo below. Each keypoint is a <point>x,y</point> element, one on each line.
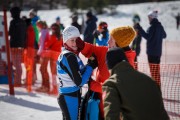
<point>15,12</point>
<point>89,14</point>
<point>115,56</point>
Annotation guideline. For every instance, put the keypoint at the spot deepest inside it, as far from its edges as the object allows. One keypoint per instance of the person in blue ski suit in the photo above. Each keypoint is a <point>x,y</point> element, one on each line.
<point>72,74</point>
<point>103,32</point>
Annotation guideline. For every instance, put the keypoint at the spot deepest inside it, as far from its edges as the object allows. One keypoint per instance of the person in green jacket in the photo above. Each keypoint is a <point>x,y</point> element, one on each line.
<point>129,94</point>
<point>34,18</point>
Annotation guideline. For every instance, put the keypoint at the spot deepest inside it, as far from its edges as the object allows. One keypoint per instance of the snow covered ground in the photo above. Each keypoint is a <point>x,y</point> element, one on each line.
<point>28,106</point>
<point>35,106</point>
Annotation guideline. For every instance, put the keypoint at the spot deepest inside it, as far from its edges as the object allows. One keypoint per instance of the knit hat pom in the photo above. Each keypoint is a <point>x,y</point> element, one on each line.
<point>153,14</point>
<point>123,36</point>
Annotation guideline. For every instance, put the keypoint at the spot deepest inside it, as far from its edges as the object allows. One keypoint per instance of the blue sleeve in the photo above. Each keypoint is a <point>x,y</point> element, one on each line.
<point>86,75</point>
<point>71,63</point>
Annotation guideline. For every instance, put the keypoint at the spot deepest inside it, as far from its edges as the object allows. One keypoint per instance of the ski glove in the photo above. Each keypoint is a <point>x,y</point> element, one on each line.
<point>92,61</point>
<point>96,33</point>
<point>137,26</point>
<point>80,44</point>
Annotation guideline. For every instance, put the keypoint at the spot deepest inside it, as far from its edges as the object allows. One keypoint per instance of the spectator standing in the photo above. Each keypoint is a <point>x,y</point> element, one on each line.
<point>53,46</point>
<point>177,20</point>
<point>136,45</point>
<point>34,18</point>
<point>90,27</point>
<point>102,34</point>
<point>58,21</point>
<point>17,32</point>
<point>29,54</point>
<point>154,36</point>
<point>75,22</point>
<point>44,56</point>
<point>136,18</point>
<point>129,92</point>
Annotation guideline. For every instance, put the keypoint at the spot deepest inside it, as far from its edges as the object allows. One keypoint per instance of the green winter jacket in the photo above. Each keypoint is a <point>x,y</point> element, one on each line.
<point>133,94</point>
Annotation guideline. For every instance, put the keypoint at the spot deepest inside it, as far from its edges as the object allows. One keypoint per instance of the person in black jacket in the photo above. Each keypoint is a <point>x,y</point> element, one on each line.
<point>90,27</point>
<point>136,44</point>
<point>75,22</point>
<point>154,36</point>
<point>129,92</point>
<point>17,32</point>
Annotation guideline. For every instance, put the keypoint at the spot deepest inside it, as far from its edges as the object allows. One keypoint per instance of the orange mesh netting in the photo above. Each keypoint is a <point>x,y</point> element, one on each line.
<point>168,76</point>
<point>169,81</point>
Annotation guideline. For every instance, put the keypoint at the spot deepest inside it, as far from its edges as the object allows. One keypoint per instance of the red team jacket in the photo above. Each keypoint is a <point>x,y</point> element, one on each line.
<point>102,72</point>
<point>53,45</point>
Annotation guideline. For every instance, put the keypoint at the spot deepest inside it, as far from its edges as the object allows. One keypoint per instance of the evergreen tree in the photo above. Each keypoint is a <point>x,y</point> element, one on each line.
<point>72,4</point>
<point>84,4</point>
<point>98,5</point>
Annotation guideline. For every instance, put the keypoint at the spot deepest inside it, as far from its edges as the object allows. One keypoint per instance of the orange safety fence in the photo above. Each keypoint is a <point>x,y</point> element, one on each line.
<point>169,81</point>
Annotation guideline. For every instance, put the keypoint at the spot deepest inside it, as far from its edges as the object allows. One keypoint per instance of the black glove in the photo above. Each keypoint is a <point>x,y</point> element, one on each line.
<point>137,26</point>
<point>92,61</point>
<point>96,33</point>
<point>80,44</point>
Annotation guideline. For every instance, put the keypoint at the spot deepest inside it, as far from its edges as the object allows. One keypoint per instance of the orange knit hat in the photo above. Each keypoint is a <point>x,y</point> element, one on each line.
<point>123,35</point>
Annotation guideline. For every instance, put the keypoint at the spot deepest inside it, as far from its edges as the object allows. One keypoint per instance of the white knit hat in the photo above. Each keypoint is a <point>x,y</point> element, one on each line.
<point>153,14</point>
<point>70,32</point>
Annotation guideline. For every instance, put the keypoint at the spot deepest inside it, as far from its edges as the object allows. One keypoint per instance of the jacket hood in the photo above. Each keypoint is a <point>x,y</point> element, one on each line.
<point>154,21</point>
<point>93,18</point>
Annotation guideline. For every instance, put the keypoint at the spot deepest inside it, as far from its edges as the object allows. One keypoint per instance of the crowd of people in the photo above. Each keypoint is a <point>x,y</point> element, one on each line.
<point>118,90</point>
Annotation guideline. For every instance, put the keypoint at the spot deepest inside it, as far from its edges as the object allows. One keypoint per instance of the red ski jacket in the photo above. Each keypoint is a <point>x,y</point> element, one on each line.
<point>102,71</point>
<point>53,47</point>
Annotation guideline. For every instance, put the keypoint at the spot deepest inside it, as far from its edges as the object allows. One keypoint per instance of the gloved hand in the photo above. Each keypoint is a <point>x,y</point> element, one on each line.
<point>92,61</point>
<point>96,33</point>
<point>80,44</point>
<point>137,26</point>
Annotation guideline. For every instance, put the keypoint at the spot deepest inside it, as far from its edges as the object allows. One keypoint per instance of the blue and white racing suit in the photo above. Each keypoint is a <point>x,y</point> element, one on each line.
<point>72,75</point>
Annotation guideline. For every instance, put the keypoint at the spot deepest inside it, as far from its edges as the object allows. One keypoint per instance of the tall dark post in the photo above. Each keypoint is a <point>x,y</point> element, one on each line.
<point>11,86</point>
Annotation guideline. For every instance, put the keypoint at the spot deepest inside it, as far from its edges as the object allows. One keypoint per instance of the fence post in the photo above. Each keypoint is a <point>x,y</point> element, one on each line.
<point>11,86</point>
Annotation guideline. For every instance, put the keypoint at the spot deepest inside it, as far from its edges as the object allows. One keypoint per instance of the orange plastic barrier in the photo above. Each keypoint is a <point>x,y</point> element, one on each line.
<point>169,81</point>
